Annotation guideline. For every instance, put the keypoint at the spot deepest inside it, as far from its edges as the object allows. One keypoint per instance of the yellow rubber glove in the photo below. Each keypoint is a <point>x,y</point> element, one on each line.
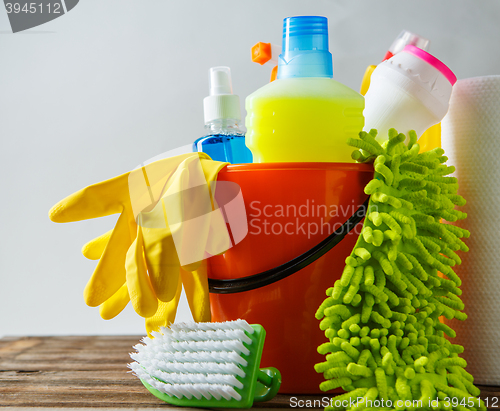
<point>121,273</point>
<point>195,287</point>
<point>102,199</point>
<point>172,235</point>
<point>165,315</point>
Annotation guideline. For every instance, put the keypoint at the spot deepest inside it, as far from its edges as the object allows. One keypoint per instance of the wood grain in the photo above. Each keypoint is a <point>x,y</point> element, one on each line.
<point>91,372</point>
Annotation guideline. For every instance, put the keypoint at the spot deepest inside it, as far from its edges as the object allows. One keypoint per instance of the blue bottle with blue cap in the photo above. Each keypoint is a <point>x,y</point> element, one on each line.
<point>304,115</point>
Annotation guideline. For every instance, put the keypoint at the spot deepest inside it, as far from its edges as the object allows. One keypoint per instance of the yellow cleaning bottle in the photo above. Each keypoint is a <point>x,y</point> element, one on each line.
<point>305,115</point>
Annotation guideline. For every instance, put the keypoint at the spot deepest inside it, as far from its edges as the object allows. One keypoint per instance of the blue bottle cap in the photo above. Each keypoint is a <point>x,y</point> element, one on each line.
<point>305,48</point>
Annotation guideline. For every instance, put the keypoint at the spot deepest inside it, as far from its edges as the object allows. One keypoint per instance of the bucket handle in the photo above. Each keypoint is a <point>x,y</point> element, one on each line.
<point>251,282</point>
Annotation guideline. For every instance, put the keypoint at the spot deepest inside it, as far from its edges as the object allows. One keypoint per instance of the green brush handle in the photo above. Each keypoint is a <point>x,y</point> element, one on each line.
<point>268,384</point>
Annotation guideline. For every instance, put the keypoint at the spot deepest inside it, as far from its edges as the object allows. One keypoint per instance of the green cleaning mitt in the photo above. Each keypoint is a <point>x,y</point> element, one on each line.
<point>387,347</point>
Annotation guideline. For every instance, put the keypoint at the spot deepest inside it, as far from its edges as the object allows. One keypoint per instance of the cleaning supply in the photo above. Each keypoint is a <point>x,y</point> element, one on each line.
<point>404,38</point>
<point>146,258</point>
<point>303,221</point>
<point>432,137</point>
<point>386,344</point>
<point>267,54</point>
<point>213,365</point>
<point>410,91</point>
<point>224,140</point>
<point>305,115</point>
<point>470,134</point>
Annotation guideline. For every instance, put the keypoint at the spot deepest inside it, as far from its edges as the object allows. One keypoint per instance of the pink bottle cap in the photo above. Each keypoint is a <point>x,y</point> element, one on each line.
<point>433,61</point>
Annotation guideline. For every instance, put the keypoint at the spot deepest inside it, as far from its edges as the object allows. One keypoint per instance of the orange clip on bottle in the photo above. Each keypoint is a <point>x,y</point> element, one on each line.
<point>267,54</point>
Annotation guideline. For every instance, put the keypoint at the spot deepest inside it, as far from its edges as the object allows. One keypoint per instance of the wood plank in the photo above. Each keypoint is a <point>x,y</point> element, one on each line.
<point>15,347</point>
<point>81,372</point>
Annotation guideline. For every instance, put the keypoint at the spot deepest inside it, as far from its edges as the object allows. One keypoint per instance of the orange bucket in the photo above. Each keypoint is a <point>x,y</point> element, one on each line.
<point>303,221</point>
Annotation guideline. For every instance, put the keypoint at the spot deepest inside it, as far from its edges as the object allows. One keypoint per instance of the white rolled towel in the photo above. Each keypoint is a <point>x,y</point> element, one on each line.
<point>471,140</point>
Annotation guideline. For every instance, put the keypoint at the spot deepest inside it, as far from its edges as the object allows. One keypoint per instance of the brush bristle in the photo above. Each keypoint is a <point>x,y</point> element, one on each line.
<point>195,359</point>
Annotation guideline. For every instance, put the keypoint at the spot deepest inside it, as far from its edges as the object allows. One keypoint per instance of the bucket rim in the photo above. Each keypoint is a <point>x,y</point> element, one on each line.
<point>300,166</point>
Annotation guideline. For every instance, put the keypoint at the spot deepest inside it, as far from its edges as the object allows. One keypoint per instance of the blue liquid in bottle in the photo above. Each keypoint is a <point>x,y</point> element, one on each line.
<point>224,140</point>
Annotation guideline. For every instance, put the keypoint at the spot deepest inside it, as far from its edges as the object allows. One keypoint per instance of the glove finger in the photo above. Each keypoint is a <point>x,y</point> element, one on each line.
<point>163,266</point>
<point>109,196</point>
<point>191,233</point>
<point>160,252</point>
<point>109,274</point>
<point>140,290</point>
<point>188,205</point>
<point>218,240</point>
<point>94,249</point>
<point>196,288</point>
<point>165,315</point>
<point>98,200</point>
<point>115,304</point>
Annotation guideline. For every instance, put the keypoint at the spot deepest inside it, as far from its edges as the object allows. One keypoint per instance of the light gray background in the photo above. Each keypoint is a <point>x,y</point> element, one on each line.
<point>92,94</point>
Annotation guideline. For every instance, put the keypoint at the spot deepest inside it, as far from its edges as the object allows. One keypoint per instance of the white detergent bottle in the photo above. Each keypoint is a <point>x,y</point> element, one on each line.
<point>409,91</point>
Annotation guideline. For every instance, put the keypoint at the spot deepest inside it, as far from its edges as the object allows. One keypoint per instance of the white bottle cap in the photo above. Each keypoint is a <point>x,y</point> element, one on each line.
<point>407,37</point>
<point>221,103</point>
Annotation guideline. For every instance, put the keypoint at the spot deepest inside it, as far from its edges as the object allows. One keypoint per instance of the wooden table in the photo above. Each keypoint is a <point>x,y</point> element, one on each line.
<point>88,372</point>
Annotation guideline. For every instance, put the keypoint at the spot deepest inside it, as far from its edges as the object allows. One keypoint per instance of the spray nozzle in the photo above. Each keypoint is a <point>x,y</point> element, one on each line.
<point>220,81</point>
<point>221,103</point>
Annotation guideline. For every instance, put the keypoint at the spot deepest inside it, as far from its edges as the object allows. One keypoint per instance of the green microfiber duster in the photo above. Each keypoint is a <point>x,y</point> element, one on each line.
<point>386,343</point>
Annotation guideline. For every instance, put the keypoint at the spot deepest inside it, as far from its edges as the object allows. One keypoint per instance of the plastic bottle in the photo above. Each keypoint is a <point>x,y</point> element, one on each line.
<point>305,115</point>
<point>432,136</point>
<point>410,91</point>
<point>224,139</point>
<point>404,38</point>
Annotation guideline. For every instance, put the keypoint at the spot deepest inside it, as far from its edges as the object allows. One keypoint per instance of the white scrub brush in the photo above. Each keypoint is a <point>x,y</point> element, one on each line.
<point>206,365</point>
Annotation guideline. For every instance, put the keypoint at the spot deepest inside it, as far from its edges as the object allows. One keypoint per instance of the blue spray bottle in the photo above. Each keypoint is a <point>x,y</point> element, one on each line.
<point>224,140</point>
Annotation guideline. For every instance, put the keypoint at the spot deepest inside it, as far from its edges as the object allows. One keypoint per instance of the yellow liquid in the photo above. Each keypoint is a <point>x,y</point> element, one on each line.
<point>303,120</point>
